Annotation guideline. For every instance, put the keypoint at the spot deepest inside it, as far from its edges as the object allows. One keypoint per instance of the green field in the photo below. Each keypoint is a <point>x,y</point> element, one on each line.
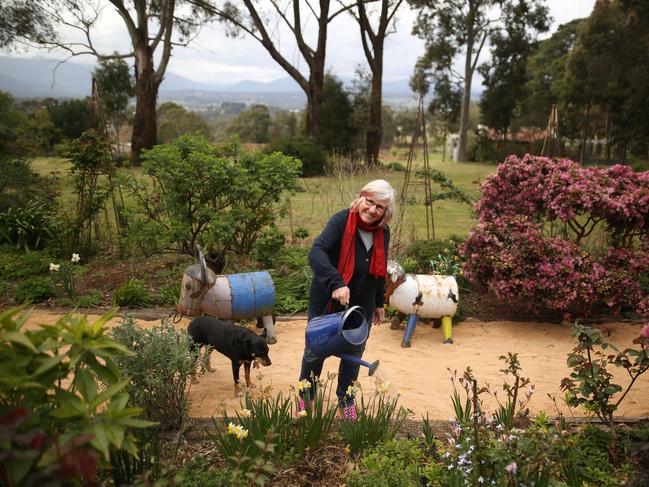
<point>320,197</point>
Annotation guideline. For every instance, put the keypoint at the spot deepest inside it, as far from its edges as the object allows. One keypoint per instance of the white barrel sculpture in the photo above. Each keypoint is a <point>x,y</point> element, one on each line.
<point>422,296</point>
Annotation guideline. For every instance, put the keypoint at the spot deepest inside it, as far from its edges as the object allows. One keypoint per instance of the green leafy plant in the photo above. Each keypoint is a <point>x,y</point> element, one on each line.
<point>169,294</point>
<point>393,462</point>
<point>292,290</point>
<point>132,293</point>
<point>221,197</point>
<point>34,290</point>
<point>16,265</point>
<point>28,227</point>
<point>159,371</point>
<point>62,399</point>
<point>379,419</point>
<point>591,385</point>
<point>64,276</point>
<point>268,245</point>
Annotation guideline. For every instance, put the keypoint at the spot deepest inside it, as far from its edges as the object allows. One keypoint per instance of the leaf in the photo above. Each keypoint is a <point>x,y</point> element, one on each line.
<point>48,364</point>
<point>100,441</point>
<point>107,393</point>
<point>18,338</point>
<point>85,384</point>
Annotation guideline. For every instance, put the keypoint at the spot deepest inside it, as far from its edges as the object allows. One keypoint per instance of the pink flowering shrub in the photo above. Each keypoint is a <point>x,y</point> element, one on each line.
<point>531,241</point>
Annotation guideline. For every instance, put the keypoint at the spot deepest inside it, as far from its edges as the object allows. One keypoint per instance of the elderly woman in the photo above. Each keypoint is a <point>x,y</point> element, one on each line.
<point>349,267</point>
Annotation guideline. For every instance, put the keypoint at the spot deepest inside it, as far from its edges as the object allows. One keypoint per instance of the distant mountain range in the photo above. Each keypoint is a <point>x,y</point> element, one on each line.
<point>36,77</point>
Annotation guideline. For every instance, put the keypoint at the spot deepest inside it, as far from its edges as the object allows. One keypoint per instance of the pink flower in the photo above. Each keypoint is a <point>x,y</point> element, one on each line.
<point>512,468</point>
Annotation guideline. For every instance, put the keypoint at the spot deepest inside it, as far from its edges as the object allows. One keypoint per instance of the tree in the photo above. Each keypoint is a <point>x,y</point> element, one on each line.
<point>605,80</point>
<point>251,125</point>
<point>69,116</point>
<point>262,26</point>
<point>545,69</point>
<point>283,124</point>
<point>154,28</point>
<point>448,27</point>
<point>445,106</point>
<point>505,75</point>
<point>373,41</point>
<point>337,130</point>
<point>20,19</point>
<point>174,121</point>
<point>116,88</point>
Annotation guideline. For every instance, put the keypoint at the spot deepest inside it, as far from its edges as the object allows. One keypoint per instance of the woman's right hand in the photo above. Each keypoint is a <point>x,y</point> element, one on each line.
<point>341,295</point>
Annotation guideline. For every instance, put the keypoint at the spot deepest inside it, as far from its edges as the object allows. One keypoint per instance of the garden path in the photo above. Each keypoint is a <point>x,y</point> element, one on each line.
<point>420,373</point>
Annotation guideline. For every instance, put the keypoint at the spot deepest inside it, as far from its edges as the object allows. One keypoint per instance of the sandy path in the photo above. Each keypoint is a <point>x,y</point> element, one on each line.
<point>420,372</point>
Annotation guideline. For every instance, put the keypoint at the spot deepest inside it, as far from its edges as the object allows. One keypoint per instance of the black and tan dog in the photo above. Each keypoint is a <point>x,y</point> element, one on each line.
<point>239,344</point>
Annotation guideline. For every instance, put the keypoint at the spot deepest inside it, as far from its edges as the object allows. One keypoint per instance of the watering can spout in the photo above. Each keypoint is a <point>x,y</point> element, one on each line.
<point>350,358</point>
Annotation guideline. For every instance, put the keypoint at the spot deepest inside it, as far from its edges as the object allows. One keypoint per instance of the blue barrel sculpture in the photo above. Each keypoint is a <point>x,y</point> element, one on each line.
<point>334,333</point>
<point>228,297</point>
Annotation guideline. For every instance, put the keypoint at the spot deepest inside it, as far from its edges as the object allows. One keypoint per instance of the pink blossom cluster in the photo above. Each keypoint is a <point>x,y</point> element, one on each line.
<point>535,217</point>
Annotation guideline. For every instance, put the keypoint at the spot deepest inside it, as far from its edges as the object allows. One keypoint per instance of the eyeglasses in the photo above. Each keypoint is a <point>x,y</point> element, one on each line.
<point>370,203</point>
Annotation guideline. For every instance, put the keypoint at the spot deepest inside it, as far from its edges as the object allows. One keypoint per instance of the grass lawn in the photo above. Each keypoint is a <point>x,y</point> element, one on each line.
<point>320,197</point>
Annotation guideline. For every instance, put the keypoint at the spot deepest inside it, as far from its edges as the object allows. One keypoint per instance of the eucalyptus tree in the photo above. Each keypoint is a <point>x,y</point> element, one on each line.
<point>373,39</point>
<point>452,27</point>
<point>153,27</point>
<point>505,74</point>
<point>266,22</point>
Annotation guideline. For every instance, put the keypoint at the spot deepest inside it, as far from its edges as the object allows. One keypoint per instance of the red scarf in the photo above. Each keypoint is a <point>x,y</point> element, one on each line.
<point>348,248</point>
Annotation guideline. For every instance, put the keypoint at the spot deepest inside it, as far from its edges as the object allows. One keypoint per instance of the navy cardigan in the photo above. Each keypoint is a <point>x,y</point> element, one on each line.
<point>365,290</point>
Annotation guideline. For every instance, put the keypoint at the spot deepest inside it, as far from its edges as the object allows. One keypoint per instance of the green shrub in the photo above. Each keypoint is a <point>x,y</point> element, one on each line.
<point>198,472</point>
<point>219,197</point>
<point>63,401</point>
<point>268,245</point>
<point>292,291</point>
<point>159,371</point>
<point>28,227</point>
<point>313,156</point>
<point>423,252</point>
<point>35,290</point>
<point>389,464</point>
<point>132,293</point>
<point>169,294</point>
<point>395,166</point>
<point>292,259</point>
<point>16,265</point>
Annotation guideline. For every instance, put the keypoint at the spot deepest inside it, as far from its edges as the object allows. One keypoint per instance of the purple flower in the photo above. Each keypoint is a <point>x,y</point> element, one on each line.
<point>511,468</point>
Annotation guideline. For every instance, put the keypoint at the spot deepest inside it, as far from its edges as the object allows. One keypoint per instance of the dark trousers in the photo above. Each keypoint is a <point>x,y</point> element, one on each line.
<point>347,371</point>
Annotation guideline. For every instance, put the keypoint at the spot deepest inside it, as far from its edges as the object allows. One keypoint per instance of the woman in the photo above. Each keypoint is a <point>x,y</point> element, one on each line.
<point>349,267</point>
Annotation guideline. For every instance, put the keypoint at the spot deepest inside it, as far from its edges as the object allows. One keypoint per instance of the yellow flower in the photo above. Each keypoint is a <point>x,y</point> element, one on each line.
<point>383,386</point>
<point>303,385</point>
<point>246,413</point>
<point>302,414</point>
<point>232,428</point>
<point>346,450</point>
<point>241,433</point>
<point>351,390</point>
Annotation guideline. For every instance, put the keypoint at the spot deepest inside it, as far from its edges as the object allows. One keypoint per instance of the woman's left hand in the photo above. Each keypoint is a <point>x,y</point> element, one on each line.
<point>379,314</point>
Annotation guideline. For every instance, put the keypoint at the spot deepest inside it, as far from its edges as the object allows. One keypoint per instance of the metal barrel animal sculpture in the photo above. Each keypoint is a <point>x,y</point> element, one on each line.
<point>422,296</point>
<point>228,297</point>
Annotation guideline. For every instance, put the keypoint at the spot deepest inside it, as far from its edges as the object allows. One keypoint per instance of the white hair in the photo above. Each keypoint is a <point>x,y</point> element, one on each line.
<point>382,191</point>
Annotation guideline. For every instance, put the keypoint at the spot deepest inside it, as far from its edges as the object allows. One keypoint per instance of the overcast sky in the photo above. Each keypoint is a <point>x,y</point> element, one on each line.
<point>215,58</point>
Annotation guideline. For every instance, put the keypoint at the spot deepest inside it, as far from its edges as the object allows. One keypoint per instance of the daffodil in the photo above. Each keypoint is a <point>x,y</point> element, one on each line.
<point>383,386</point>
<point>302,413</point>
<point>245,413</point>
<point>75,258</point>
<point>303,385</point>
<point>346,450</point>
<point>241,433</point>
<point>54,267</point>
<point>232,428</point>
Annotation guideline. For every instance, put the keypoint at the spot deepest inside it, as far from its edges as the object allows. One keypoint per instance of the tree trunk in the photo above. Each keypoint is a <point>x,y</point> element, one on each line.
<point>375,128</point>
<point>145,130</point>
<point>314,102</point>
<point>466,97</point>
<point>584,141</point>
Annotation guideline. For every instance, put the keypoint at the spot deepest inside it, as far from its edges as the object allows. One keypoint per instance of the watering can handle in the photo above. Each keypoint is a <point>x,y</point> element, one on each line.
<point>329,307</point>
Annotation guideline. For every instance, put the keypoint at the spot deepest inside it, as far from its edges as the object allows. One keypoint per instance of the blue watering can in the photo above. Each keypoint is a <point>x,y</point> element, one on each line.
<point>334,333</point>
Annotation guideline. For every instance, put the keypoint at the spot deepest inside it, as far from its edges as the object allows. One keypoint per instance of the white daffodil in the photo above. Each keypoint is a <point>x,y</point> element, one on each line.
<point>75,258</point>
<point>54,267</point>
